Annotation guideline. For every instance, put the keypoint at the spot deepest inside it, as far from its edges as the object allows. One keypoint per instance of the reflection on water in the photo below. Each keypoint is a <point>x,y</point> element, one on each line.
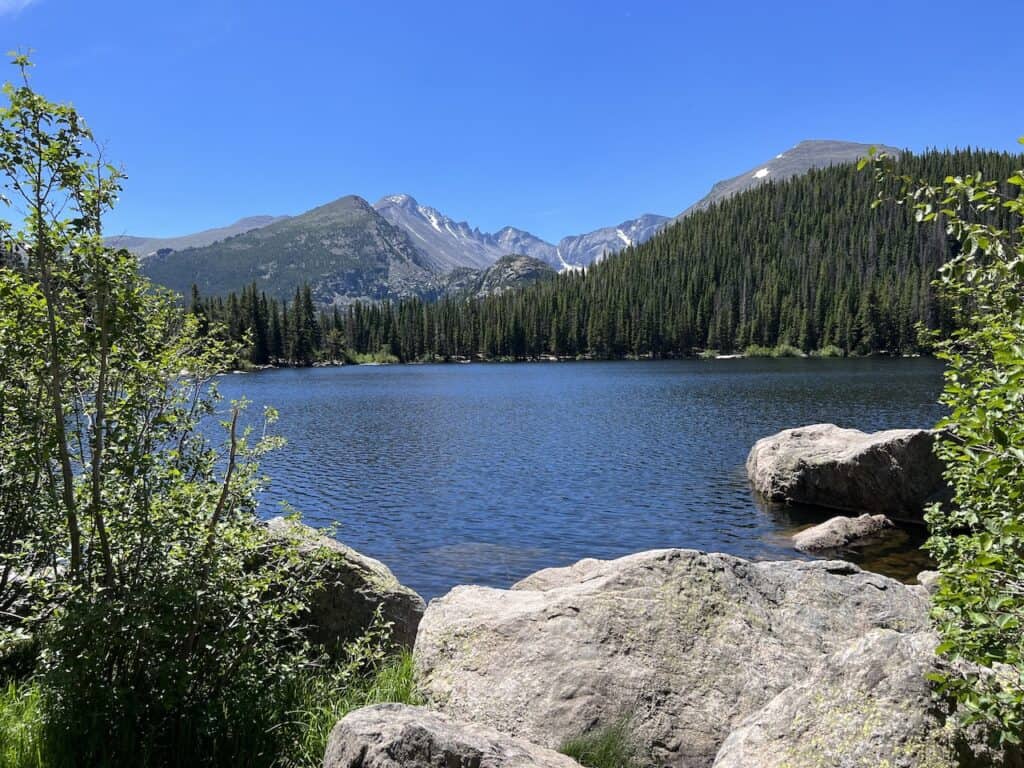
<point>485,473</point>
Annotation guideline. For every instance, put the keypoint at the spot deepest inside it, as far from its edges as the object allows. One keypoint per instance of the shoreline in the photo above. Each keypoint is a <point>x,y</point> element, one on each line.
<point>578,359</point>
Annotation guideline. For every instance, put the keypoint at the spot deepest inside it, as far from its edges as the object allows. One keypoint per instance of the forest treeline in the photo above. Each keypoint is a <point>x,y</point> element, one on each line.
<point>804,263</point>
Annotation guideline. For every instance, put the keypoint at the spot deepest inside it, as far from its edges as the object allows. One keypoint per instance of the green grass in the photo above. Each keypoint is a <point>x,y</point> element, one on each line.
<point>607,747</point>
<point>318,701</point>
<point>327,698</point>
<point>21,726</point>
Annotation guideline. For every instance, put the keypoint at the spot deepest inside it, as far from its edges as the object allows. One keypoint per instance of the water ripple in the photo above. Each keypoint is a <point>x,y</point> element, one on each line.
<point>485,473</point>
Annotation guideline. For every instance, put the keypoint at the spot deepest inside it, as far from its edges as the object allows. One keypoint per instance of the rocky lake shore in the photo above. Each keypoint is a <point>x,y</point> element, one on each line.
<point>707,660</point>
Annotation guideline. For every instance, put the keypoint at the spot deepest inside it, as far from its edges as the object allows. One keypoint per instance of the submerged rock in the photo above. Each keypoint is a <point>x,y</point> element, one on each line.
<point>354,587</point>
<point>399,736</point>
<point>686,645</point>
<point>840,532</point>
<point>894,472</point>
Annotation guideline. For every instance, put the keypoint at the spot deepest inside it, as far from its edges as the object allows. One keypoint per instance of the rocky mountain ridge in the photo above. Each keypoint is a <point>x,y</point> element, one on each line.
<point>147,246</point>
<point>399,247</point>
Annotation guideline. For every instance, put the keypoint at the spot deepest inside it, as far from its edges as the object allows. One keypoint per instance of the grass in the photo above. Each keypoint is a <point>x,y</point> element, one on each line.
<point>327,698</point>
<point>21,726</point>
<point>607,747</point>
<point>318,701</point>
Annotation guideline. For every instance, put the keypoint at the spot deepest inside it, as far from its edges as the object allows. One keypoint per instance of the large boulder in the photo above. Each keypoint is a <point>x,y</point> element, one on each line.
<point>399,736</point>
<point>868,704</point>
<point>685,645</point>
<point>354,588</point>
<point>895,472</point>
<point>841,532</point>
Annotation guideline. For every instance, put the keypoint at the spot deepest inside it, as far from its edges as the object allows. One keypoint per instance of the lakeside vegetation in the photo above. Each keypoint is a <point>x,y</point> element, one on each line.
<point>147,616</point>
<point>302,723</point>
<point>978,539</point>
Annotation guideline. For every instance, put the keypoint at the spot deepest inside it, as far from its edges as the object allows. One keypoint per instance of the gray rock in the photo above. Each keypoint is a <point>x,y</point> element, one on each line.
<point>399,736</point>
<point>929,580</point>
<point>354,586</point>
<point>894,473</point>
<point>840,532</point>
<point>868,704</point>
<point>685,644</point>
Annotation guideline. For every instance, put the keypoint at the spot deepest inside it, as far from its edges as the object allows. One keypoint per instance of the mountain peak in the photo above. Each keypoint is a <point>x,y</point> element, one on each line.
<point>345,203</point>
<point>402,200</point>
<point>797,160</point>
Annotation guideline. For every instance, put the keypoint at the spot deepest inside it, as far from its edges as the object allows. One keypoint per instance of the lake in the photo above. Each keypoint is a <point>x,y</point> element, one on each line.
<point>484,473</point>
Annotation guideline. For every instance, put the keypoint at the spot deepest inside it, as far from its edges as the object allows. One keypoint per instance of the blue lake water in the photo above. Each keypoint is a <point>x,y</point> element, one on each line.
<point>484,473</point>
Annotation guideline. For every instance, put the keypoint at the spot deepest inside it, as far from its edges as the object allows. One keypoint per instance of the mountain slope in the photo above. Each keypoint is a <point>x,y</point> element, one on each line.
<point>450,244</point>
<point>508,272</point>
<point>344,249</point>
<point>581,250</point>
<point>145,246</point>
<point>796,161</point>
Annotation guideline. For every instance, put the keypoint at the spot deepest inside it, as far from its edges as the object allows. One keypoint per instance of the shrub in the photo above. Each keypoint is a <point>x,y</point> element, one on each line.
<point>978,540</point>
<point>781,350</point>
<point>162,609</point>
<point>297,725</point>
<point>829,351</point>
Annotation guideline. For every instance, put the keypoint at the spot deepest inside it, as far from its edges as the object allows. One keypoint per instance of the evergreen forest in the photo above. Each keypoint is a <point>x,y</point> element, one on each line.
<point>803,265</point>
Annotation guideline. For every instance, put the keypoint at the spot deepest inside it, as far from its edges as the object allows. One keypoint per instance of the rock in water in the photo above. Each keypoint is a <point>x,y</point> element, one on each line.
<point>840,532</point>
<point>399,736</point>
<point>894,472</point>
<point>354,586</point>
<point>685,644</point>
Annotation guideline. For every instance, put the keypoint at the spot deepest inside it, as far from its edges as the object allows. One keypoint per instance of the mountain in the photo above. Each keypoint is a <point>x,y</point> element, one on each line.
<point>349,250</point>
<point>345,250</point>
<point>146,246</point>
<point>512,240</point>
<point>581,250</point>
<point>795,161</point>
<point>513,271</point>
<point>450,244</point>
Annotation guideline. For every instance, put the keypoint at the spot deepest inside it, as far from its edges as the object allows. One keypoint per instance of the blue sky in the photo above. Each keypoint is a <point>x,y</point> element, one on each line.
<point>558,116</point>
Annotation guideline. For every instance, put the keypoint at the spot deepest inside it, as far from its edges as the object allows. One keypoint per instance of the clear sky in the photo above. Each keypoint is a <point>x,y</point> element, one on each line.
<point>558,116</point>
